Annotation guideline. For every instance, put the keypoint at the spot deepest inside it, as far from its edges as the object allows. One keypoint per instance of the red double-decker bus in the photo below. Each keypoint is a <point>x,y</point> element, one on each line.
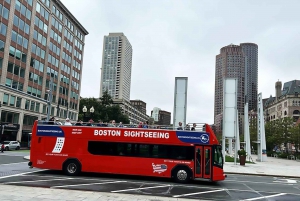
<point>182,155</point>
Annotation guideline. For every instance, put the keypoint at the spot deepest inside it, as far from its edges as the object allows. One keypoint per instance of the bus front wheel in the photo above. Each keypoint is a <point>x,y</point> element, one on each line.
<point>72,167</point>
<point>181,174</point>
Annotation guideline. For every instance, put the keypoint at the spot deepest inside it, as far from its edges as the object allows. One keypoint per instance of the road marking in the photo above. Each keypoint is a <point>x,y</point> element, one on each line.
<point>256,182</point>
<point>12,155</point>
<point>110,182</point>
<point>253,190</point>
<point>20,174</point>
<point>264,197</point>
<point>133,189</point>
<point>183,195</point>
<point>290,181</point>
<point>61,177</point>
<point>12,163</point>
<point>17,182</point>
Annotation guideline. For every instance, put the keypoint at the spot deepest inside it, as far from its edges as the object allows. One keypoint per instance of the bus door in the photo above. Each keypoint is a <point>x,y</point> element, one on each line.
<point>203,162</point>
<point>198,162</point>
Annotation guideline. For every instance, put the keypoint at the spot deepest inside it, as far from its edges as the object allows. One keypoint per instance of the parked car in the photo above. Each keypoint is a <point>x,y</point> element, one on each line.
<point>10,145</point>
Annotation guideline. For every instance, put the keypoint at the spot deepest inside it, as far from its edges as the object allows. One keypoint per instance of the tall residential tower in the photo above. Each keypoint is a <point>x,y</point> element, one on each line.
<point>116,66</point>
<point>230,63</point>
<point>250,51</point>
<point>236,61</point>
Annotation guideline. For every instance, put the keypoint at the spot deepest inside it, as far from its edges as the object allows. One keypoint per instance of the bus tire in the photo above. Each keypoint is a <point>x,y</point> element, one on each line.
<point>72,167</point>
<point>182,174</point>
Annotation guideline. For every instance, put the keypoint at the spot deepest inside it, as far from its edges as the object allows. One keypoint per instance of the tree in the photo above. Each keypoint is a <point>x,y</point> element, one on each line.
<point>295,136</point>
<point>285,126</point>
<point>253,131</point>
<point>272,136</point>
<point>105,110</point>
<point>106,99</point>
<point>90,102</point>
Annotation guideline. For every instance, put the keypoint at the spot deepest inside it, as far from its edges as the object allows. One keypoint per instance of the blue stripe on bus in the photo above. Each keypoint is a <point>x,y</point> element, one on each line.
<point>193,137</point>
<point>53,131</point>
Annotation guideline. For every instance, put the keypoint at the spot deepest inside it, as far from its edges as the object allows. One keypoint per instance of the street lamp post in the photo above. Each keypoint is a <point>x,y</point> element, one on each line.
<point>67,110</point>
<point>58,109</point>
<point>49,101</point>
<point>84,110</point>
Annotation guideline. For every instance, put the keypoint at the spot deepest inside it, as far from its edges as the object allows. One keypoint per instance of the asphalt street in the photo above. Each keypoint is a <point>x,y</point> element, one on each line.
<point>12,163</point>
<point>235,187</point>
<point>14,171</point>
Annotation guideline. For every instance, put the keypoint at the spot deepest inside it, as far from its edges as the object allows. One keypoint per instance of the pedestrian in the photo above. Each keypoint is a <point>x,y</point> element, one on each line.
<point>2,148</point>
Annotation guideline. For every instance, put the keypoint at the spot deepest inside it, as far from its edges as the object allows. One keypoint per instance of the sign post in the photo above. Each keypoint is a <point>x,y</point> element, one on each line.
<point>230,122</point>
<point>180,101</point>
<point>261,137</point>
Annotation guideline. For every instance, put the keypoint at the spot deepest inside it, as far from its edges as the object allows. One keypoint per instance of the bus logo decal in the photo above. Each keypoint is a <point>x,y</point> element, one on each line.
<point>204,138</point>
<point>159,168</point>
<point>60,141</point>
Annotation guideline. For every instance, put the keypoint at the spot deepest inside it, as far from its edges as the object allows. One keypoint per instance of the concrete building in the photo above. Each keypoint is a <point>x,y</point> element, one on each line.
<point>140,105</point>
<point>39,40</point>
<point>134,114</point>
<point>250,51</point>
<point>116,66</point>
<point>161,117</point>
<point>230,63</point>
<point>116,75</point>
<point>286,102</point>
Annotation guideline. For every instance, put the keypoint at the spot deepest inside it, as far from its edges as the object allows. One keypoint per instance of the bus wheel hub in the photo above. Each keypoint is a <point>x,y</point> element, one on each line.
<point>72,168</point>
<point>182,175</point>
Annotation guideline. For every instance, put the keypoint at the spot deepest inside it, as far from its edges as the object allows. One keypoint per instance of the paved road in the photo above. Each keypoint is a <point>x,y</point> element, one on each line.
<point>236,187</point>
<point>12,164</point>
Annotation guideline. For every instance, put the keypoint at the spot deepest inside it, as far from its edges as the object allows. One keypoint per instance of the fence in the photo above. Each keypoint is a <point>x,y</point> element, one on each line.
<point>199,126</point>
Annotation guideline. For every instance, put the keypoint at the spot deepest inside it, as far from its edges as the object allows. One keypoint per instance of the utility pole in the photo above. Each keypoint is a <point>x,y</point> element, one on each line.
<point>49,99</point>
<point>1,127</point>
<point>67,110</point>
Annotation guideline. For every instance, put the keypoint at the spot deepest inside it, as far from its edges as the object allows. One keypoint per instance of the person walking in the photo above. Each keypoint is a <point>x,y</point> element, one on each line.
<point>2,148</point>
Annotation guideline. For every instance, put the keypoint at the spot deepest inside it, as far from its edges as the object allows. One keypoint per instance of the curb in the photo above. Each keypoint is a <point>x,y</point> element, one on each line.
<point>264,175</point>
<point>27,158</point>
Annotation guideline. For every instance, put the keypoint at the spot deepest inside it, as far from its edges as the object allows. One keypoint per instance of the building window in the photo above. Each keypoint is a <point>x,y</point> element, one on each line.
<point>5,99</point>
<point>23,10</point>
<point>18,103</point>
<point>4,12</point>
<point>12,101</point>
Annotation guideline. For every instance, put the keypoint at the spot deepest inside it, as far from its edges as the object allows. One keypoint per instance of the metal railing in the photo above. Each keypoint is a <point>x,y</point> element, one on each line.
<point>199,126</point>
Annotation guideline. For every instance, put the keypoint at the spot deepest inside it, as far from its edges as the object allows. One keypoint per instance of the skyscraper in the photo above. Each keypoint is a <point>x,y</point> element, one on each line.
<point>39,40</point>
<point>230,63</point>
<point>250,51</point>
<point>116,66</point>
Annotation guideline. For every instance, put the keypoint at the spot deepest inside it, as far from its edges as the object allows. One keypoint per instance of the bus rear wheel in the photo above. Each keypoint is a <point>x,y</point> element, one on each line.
<point>182,174</point>
<point>72,167</point>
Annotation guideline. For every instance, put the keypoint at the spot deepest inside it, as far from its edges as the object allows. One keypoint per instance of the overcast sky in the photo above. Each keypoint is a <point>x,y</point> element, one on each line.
<point>182,38</point>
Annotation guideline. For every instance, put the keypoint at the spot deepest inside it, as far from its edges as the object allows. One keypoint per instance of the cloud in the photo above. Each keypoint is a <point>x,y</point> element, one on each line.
<point>182,38</point>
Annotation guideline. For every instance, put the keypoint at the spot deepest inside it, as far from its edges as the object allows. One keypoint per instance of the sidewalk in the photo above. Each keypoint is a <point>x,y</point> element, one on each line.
<point>272,167</point>
<point>9,192</point>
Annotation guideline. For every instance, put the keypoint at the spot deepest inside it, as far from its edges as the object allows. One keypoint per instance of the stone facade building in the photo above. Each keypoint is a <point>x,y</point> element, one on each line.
<point>286,102</point>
